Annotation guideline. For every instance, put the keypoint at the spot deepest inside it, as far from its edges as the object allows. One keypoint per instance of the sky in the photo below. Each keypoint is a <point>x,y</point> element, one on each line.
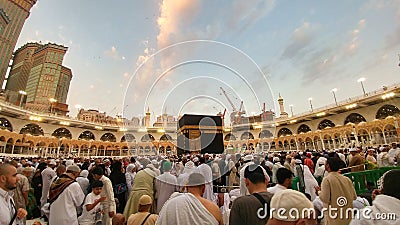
<point>174,56</point>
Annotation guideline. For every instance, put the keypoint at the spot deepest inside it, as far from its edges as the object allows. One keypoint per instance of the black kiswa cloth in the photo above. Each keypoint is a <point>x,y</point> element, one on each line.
<point>58,186</point>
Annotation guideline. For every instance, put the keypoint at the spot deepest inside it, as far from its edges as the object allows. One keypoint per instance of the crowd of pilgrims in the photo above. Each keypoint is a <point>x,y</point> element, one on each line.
<point>116,187</point>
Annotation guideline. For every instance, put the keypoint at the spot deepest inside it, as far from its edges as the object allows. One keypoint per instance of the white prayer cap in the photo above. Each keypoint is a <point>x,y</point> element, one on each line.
<point>322,160</point>
<point>298,161</point>
<point>248,158</point>
<point>291,200</point>
<point>52,162</point>
<point>84,173</point>
<point>189,165</point>
<point>69,162</point>
<point>73,168</point>
<point>277,159</point>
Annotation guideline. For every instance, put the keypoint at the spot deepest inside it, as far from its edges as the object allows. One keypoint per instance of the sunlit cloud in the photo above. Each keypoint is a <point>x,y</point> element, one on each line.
<point>301,38</point>
<point>113,53</point>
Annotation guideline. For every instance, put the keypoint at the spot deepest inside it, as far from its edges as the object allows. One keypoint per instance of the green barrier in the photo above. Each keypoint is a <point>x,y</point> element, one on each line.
<point>359,179</point>
<point>295,183</point>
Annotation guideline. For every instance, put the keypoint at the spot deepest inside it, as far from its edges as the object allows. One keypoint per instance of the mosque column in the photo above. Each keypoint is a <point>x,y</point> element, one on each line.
<point>384,137</point>
<point>334,142</point>
<point>323,142</point>
<point>12,149</point>
<point>79,152</point>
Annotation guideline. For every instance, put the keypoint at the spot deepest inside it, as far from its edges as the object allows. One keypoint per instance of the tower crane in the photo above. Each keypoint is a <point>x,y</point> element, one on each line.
<point>235,115</point>
<point>230,102</point>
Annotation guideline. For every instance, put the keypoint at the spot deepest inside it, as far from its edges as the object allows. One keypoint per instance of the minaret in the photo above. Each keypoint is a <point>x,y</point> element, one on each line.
<point>147,118</point>
<point>281,107</point>
<point>165,118</point>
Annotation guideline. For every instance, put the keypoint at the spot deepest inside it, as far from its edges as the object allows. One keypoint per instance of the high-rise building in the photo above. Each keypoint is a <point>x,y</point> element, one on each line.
<point>47,85</point>
<point>13,14</point>
<point>19,73</point>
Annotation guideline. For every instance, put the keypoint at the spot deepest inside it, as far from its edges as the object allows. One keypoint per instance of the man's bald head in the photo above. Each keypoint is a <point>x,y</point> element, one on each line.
<point>118,219</point>
<point>5,169</point>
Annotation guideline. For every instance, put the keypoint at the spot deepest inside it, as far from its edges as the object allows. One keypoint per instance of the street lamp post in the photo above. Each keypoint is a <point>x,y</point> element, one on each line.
<point>310,99</point>
<point>291,109</point>
<point>334,95</point>
<point>361,80</point>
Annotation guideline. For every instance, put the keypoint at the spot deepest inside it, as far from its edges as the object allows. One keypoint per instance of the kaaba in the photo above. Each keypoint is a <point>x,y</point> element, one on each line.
<point>200,134</point>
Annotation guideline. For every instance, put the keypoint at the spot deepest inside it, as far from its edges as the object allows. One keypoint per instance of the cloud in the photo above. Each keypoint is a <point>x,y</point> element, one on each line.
<point>178,21</point>
<point>355,42</point>
<point>114,54</point>
<point>301,38</point>
<point>245,13</point>
<point>175,15</point>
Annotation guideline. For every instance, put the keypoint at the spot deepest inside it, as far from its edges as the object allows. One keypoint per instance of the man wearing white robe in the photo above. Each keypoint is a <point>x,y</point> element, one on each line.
<point>248,160</point>
<point>206,171</point>
<point>165,185</point>
<point>63,209</point>
<point>190,208</point>
<point>47,176</point>
<point>183,177</point>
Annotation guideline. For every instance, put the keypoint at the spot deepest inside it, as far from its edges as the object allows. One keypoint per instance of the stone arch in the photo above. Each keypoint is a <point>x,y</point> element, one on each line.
<point>325,123</point>
<point>337,139</point>
<point>265,146</point>
<point>363,137</point>
<point>391,133</point>
<point>317,142</point>
<point>5,124</point>
<point>303,128</point>
<point>265,134</point>
<point>328,142</point>
<point>302,144</point>
<point>354,118</point>
<point>387,110</point>
<point>246,135</point>
<point>280,145</point>
<point>32,129</point>
<point>108,137</point>
<point>86,135</point>
<point>9,145</point>
<point>377,136</point>
<point>128,137</point>
<point>308,143</point>
<point>284,132</point>
<point>230,137</point>
<point>62,133</point>
<point>166,137</point>
<point>292,144</point>
<point>147,138</point>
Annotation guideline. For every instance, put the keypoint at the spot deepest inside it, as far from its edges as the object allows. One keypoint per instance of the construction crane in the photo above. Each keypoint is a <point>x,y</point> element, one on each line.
<point>236,114</point>
<point>230,102</point>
